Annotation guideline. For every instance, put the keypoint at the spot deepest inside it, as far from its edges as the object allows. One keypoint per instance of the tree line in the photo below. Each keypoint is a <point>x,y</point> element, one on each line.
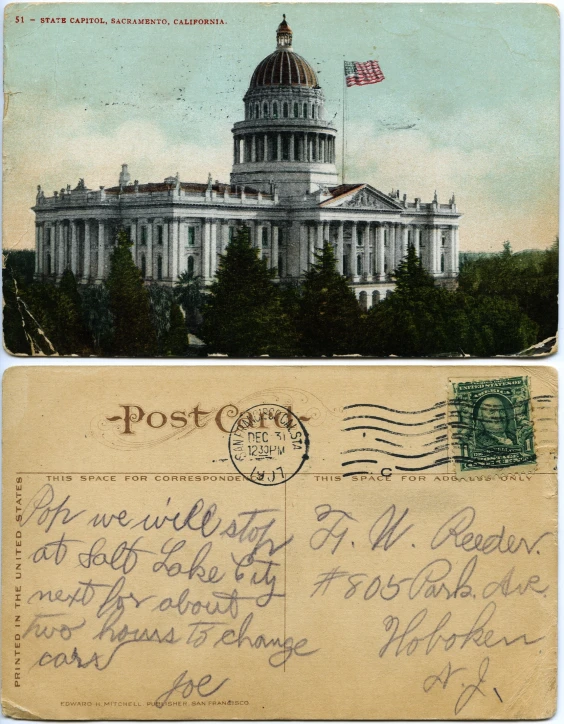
<point>503,304</point>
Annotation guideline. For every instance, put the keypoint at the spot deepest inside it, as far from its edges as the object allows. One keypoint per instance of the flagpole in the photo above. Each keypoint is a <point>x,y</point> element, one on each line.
<point>344,125</point>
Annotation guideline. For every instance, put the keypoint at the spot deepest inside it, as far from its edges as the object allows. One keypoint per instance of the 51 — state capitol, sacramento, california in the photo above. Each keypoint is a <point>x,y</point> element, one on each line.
<point>284,186</point>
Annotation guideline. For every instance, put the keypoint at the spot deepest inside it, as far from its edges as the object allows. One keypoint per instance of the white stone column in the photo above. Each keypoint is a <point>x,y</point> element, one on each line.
<point>353,268</point>
<point>291,251</point>
<point>279,147</point>
<point>317,147</point>
<point>37,249</point>
<point>59,250</point>
<point>174,232</point>
<point>391,248</point>
<point>274,247</point>
<point>380,253</point>
<point>432,244</point>
<point>319,235</point>
<point>213,248</point>
<point>101,244</point>
<point>340,246</point>
<point>438,250</point>
<point>310,245</point>
<point>74,248</point>
<point>166,248</point>
<point>265,142</point>
<point>456,251</point>
<point>450,260</point>
<point>366,238</point>
<point>150,232</point>
<point>205,250</point>
<point>87,252</point>
<point>292,147</point>
<point>304,248</point>
<point>235,149</point>
<point>417,240</point>
<point>133,239</point>
<point>404,240</point>
<point>253,148</point>
<point>224,237</point>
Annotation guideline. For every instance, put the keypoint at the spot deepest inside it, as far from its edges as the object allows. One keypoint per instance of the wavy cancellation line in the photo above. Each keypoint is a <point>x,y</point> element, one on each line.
<point>394,454</point>
<point>399,412</point>
<point>442,426</point>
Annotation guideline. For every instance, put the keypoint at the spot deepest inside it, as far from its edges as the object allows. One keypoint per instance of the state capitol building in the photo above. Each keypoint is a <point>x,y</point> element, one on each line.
<point>284,187</point>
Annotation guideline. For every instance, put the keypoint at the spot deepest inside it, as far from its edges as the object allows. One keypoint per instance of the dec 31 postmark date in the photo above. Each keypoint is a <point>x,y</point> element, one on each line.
<point>268,444</point>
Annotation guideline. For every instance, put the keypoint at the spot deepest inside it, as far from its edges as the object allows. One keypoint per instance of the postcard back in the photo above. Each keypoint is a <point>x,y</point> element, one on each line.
<point>282,542</point>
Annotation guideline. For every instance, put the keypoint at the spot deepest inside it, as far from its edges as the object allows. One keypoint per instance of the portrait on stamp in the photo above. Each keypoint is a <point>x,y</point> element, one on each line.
<point>492,423</point>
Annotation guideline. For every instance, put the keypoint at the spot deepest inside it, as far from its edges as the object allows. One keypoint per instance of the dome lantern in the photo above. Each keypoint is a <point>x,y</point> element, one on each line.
<point>284,35</point>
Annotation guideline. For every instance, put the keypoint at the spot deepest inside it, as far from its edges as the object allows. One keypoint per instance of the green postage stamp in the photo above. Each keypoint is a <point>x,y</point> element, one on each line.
<point>492,423</point>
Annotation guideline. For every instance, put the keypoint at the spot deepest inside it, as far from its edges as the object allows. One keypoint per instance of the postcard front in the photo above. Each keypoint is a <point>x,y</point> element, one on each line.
<point>345,181</point>
<point>271,543</point>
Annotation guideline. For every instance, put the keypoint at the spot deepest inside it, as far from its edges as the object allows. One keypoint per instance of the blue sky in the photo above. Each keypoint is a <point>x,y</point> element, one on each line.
<point>469,105</point>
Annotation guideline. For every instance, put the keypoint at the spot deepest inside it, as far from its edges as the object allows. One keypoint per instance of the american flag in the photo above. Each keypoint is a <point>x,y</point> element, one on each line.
<point>362,73</point>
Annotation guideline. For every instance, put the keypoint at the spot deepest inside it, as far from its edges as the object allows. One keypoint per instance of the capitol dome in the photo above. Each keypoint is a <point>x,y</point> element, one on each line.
<point>283,67</point>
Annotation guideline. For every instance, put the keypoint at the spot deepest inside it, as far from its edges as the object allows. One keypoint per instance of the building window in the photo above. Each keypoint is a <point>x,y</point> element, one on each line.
<point>191,236</point>
<point>48,263</point>
<point>280,235</point>
<point>313,111</point>
<point>144,236</point>
<point>443,240</point>
<point>160,235</point>
<point>359,265</point>
<point>275,110</point>
<point>251,111</point>
<point>305,110</point>
<point>442,262</point>
<point>265,110</point>
<point>190,265</point>
<point>264,237</point>
<point>143,266</point>
<point>159,268</point>
<point>363,301</point>
<point>296,110</point>
<point>280,266</point>
<point>231,233</point>
<point>346,269</point>
<point>256,110</point>
<point>285,110</point>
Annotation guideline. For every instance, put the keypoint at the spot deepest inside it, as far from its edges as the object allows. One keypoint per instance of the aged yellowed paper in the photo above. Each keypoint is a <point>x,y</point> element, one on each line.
<point>279,542</point>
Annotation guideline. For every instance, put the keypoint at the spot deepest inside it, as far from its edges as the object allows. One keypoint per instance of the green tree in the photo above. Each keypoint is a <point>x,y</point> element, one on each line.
<point>188,290</point>
<point>418,319</point>
<point>160,301</point>
<point>133,334</point>
<point>176,344</point>
<point>328,318</point>
<point>98,317</point>
<point>243,315</point>
<point>527,279</point>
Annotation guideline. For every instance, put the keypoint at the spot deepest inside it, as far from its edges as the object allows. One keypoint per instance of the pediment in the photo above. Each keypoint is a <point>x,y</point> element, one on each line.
<point>362,197</point>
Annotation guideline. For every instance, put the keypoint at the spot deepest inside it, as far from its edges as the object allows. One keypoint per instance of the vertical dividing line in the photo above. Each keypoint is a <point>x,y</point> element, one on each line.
<point>285,564</point>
